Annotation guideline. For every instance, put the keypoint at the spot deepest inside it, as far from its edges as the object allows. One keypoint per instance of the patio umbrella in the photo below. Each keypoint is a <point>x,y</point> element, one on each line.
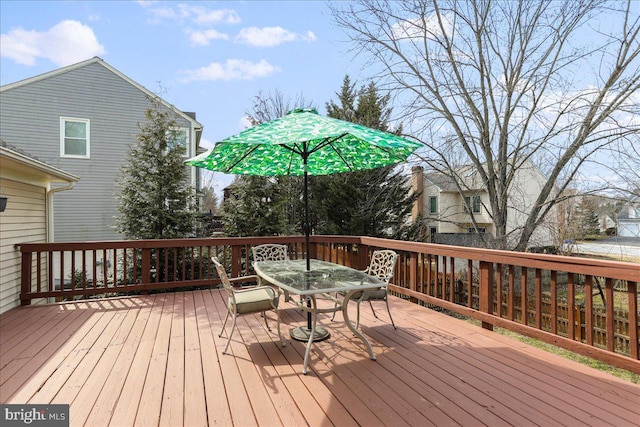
<point>305,143</point>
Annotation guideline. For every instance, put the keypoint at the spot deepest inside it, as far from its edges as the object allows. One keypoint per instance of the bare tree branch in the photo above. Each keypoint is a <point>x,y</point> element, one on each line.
<point>497,84</point>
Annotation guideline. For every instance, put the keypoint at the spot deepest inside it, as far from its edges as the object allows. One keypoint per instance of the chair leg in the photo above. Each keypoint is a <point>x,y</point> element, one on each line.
<point>265,320</point>
<point>358,314</point>
<point>389,311</point>
<point>224,323</point>
<point>334,313</point>
<point>374,312</point>
<point>282,340</point>
<point>233,328</point>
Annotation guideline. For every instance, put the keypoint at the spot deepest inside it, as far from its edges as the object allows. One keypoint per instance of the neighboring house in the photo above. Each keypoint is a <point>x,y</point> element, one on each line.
<point>447,208</point>
<point>629,219</point>
<point>82,119</point>
<point>30,185</point>
<point>586,214</point>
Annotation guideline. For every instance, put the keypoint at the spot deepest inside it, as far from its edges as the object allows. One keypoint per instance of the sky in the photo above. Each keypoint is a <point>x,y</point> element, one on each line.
<point>211,58</point>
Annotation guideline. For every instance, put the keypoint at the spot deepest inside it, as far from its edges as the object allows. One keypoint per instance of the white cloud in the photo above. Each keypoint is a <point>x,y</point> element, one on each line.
<point>65,43</point>
<point>310,37</point>
<point>202,38</point>
<point>270,36</point>
<point>204,16</point>
<point>417,29</point>
<point>232,69</point>
<point>205,143</point>
<point>197,14</point>
<point>244,123</point>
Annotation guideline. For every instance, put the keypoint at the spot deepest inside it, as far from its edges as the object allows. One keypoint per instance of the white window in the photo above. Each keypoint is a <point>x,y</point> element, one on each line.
<point>475,203</point>
<point>74,138</point>
<point>178,137</point>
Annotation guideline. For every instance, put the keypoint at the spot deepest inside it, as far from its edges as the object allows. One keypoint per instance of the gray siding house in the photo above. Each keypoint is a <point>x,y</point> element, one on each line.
<point>82,119</point>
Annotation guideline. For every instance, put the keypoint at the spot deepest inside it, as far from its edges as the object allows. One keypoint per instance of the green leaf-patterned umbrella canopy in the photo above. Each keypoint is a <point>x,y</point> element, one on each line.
<point>283,146</point>
<point>280,146</point>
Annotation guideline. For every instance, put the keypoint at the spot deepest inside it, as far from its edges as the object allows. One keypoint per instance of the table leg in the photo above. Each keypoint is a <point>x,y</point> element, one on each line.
<point>345,313</point>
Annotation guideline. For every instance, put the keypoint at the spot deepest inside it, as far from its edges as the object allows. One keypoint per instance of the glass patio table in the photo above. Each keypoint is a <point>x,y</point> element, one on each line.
<point>323,279</point>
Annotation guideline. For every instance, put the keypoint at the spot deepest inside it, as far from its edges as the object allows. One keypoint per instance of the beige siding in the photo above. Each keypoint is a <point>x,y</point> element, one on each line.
<point>523,193</point>
<point>22,222</point>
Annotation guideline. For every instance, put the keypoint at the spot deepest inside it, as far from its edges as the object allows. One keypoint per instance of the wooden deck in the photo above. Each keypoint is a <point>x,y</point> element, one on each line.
<point>157,360</point>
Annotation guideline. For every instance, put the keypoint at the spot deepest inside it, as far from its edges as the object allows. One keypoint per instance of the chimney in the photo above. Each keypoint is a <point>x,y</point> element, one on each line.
<point>417,186</point>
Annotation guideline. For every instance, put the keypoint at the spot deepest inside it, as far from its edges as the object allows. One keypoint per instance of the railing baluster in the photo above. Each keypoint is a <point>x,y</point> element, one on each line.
<point>50,286</point>
<point>588,293</point>
<point>470,284</point>
<point>38,270</point>
<point>538,298</point>
<point>452,279</point>
<point>499,289</point>
<point>115,267</point>
<point>523,297</point>
<point>512,293</point>
<point>554,302</point>
<point>611,339</point>
<point>571,299</point>
<point>73,270</point>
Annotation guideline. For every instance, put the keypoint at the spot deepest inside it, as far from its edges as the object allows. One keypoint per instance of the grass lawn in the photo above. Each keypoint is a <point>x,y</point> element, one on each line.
<point>618,372</point>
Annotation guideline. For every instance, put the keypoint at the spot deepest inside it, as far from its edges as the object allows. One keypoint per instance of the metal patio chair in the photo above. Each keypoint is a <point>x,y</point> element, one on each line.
<point>271,252</point>
<point>382,265</point>
<point>258,299</point>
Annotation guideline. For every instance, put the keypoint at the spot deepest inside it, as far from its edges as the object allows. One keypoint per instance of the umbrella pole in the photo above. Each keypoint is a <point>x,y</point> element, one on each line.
<point>307,231</point>
<point>300,333</point>
<point>307,227</point>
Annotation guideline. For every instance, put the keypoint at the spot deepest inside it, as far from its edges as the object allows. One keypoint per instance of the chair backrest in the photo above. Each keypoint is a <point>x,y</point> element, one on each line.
<point>222,274</point>
<point>269,252</point>
<point>382,264</point>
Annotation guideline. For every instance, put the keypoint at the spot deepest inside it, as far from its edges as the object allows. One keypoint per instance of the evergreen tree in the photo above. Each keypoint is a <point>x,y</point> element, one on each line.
<point>255,207</point>
<point>589,226</point>
<point>155,201</point>
<point>374,202</point>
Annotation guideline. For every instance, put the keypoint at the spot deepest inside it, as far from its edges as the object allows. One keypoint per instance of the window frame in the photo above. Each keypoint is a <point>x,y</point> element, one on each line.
<point>187,141</point>
<point>63,137</point>
<point>475,201</point>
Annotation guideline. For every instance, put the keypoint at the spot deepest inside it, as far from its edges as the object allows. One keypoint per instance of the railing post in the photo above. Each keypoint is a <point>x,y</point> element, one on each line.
<point>313,250</point>
<point>25,278</point>
<point>363,256</point>
<point>486,291</point>
<point>145,266</point>
<point>632,292</point>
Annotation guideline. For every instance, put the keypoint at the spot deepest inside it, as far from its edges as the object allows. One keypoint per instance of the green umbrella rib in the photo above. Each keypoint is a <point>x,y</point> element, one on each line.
<point>248,153</point>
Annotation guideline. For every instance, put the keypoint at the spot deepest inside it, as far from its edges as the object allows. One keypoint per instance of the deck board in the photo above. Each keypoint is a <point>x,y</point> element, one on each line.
<point>157,360</point>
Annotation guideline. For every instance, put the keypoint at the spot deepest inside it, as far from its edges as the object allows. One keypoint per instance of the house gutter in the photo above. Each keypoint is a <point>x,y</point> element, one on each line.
<point>50,193</point>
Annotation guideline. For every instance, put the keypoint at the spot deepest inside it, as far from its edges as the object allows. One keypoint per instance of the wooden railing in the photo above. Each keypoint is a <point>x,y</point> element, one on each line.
<point>494,287</point>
